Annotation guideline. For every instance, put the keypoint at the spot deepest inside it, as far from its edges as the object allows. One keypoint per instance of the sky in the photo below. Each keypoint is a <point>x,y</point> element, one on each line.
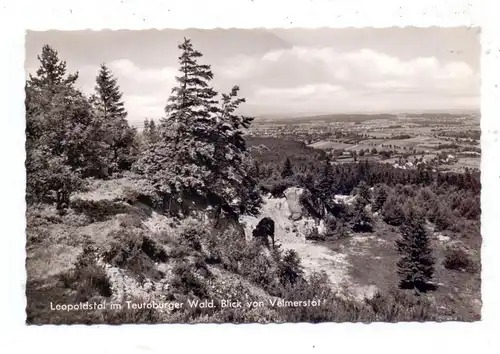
<point>284,72</point>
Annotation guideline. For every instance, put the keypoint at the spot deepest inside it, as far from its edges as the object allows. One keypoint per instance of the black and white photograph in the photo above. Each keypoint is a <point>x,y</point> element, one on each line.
<point>253,175</point>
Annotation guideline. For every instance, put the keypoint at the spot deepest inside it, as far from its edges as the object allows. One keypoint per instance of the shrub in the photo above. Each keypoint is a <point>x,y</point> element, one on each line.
<point>98,210</point>
<point>399,306</point>
<point>130,220</point>
<point>341,231</point>
<point>249,259</point>
<point>361,220</point>
<point>458,259</point>
<point>132,250</point>
<point>73,218</point>
<point>192,236</point>
<point>186,282</point>
<point>392,211</point>
<point>87,279</point>
<point>289,268</point>
<point>278,188</point>
<point>37,234</point>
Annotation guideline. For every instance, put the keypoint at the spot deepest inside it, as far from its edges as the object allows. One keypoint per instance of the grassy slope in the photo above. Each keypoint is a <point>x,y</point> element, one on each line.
<point>372,262</point>
<point>55,245</point>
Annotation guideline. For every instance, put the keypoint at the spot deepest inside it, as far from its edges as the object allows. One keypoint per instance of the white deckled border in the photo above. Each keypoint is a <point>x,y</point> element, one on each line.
<point>16,16</point>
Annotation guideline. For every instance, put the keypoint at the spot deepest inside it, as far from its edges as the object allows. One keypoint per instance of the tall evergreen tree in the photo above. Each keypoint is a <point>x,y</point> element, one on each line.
<point>150,132</point>
<point>110,107</point>
<point>416,263</point>
<point>363,193</point>
<point>63,138</point>
<point>361,220</point>
<point>200,156</point>
<point>234,188</point>
<point>52,72</point>
<point>287,170</point>
<point>325,184</point>
<point>380,197</point>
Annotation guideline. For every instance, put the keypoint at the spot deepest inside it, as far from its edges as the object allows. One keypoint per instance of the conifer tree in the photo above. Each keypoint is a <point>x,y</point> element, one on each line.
<point>178,164</point>
<point>234,188</point>
<point>363,193</point>
<point>287,170</point>
<point>52,72</point>
<point>325,187</point>
<point>416,263</point>
<point>380,197</point>
<point>119,135</point>
<point>200,156</point>
<point>361,221</point>
<point>63,138</point>
<point>150,132</point>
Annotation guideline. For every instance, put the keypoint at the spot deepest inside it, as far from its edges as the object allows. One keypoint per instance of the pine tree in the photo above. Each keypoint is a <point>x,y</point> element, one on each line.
<point>180,163</point>
<point>110,107</point>
<point>52,72</point>
<point>145,130</point>
<point>287,170</point>
<point>150,132</point>
<point>63,138</point>
<point>380,197</point>
<point>200,156</point>
<point>363,193</point>
<point>361,220</point>
<point>416,263</point>
<point>233,188</point>
<point>325,187</point>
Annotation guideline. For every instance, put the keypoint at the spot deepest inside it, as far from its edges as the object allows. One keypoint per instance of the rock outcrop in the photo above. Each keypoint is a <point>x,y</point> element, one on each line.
<point>292,196</point>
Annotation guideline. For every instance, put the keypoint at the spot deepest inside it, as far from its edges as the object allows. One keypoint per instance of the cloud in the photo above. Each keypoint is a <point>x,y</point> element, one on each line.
<point>322,78</point>
<point>145,90</point>
<point>307,79</point>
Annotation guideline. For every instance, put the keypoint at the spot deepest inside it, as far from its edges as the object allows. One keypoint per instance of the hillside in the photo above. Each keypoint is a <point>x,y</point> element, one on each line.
<point>191,220</point>
<point>133,253</point>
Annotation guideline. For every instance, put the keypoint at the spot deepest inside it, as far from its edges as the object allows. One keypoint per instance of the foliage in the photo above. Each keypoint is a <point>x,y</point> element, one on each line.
<point>363,193</point>
<point>289,269</point>
<point>109,107</point>
<point>87,278</point>
<point>416,263</point>
<point>64,140</point>
<point>380,196</point>
<point>201,155</point>
<point>458,259</point>
<point>361,219</point>
<point>287,170</point>
<point>392,210</point>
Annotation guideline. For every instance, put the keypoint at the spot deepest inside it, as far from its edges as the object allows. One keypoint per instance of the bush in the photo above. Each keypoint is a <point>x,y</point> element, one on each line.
<point>392,211</point>
<point>132,250</point>
<point>289,268</point>
<point>87,279</point>
<point>192,236</point>
<point>458,259</point>
<point>250,259</point>
<point>73,218</point>
<point>141,191</point>
<point>186,282</point>
<point>399,306</point>
<point>98,210</point>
